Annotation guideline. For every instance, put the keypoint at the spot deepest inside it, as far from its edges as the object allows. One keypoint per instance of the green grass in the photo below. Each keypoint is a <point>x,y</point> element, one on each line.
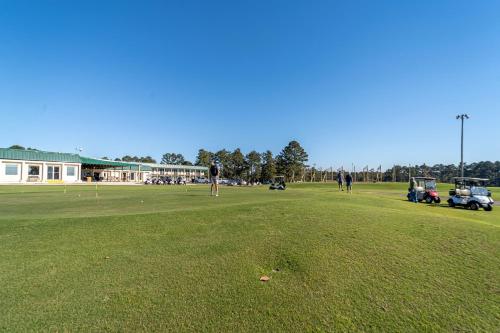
<point>159,258</point>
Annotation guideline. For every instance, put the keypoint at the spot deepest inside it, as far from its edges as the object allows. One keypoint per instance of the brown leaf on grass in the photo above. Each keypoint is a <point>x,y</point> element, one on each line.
<point>265,278</point>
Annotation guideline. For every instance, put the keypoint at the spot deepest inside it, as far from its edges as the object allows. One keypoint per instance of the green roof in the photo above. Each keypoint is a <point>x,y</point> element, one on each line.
<point>144,167</point>
<point>98,161</point>
<point>115,164</point>
<point>46,156</point>
<point>37,155</point>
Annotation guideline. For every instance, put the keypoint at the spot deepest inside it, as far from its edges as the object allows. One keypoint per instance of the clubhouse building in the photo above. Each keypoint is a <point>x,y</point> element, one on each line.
<point>35,166</point>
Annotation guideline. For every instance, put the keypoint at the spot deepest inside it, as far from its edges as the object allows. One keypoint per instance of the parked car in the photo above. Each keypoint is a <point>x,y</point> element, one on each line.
<point>201,180</point>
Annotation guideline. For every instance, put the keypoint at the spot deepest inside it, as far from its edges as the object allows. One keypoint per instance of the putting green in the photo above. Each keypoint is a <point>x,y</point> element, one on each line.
<point>156,258</point>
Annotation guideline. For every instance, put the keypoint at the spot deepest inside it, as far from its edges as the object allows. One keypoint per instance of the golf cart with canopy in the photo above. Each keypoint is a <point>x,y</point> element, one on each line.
<point>425,189</point>
<point>278,183</point>
<point>471,193</point>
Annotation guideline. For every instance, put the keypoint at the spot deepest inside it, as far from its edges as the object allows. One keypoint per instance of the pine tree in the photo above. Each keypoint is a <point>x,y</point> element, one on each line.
<point>291,161</point>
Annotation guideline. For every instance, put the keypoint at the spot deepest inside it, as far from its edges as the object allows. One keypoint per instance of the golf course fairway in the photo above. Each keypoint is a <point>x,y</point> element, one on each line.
<point>173,258</point>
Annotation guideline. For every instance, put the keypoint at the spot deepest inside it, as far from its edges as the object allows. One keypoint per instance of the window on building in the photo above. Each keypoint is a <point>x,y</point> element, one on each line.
<point>11,170</point>
<point>70,171</point>
<point>53,172</point>
<point>132,175</point>
<point>33,170</point>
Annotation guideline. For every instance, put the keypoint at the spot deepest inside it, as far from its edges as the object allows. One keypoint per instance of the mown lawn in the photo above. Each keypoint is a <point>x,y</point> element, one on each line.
<point>158,258</point>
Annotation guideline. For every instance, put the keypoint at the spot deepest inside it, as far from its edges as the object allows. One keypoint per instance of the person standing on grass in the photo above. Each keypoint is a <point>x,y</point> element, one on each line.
<point>348,182</point>
<point>340,180</point>
<point>413,190</point>
<point>214,179</point>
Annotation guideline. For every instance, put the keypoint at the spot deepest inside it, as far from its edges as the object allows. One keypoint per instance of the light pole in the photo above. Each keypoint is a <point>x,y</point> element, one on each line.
<point>78,152</point>
<point>462,117</point>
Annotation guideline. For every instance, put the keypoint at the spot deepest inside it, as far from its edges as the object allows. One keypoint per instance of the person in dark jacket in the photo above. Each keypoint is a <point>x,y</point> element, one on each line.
<point>348,182</point>
<point>214,179</point>
<point>340,180</point>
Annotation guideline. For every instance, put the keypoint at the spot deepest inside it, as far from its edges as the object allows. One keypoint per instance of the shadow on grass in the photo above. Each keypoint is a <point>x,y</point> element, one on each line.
<point>439,205</point>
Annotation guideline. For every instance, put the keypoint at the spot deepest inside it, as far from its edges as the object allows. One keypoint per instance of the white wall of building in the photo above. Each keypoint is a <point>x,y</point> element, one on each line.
<point>71,172</point>
<point>66,172</point>
<point>30,167</point>
<point>39,172</point>
<point>6,168</point>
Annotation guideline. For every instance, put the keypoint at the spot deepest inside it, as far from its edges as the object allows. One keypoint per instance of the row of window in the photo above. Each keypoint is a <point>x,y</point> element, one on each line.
<point>53,172</point>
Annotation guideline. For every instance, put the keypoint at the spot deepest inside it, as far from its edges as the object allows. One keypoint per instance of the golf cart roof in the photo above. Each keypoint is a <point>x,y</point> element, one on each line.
<point>472,179</point>
<point>425,178</point>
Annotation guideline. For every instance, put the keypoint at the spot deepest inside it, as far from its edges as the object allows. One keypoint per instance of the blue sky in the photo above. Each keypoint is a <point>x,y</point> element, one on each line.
<point>364,82</point>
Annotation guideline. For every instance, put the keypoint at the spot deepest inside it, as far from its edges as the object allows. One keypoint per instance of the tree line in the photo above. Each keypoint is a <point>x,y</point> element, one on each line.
<point>128,158</point>
<point>445,172</point>
<point>167,158</point>
<point>255,166</point>
<point>21,147</point>
<point>291,163</point>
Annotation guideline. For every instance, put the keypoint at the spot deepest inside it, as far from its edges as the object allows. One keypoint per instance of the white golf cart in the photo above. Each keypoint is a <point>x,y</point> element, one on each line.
<point>471,193</point>
<point>278,183</point>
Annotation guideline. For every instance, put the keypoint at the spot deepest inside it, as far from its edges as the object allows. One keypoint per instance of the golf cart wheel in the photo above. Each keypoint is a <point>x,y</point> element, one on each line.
<point>488,208</point>
<point>473,206</point>
<point>428,199</point>
<point>437,200</point>
<point>451,203</point>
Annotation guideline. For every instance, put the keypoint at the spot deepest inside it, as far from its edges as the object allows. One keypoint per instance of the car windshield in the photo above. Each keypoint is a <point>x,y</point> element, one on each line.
<point>430,184</point>
<point>474,190</point>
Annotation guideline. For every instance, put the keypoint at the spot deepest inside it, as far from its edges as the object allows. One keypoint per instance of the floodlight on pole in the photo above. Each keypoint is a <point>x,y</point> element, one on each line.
<point>462,117</point>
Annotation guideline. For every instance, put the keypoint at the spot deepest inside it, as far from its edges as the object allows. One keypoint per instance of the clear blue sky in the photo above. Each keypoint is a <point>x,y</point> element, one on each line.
<point>364,82</point>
